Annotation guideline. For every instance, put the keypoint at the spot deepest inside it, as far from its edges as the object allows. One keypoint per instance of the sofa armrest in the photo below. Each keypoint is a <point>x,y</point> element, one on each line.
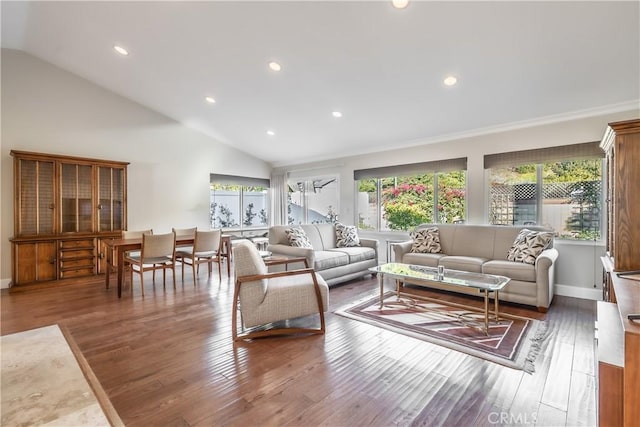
<point>545,277</point>
<point>292,251</point>
<point>399,249</point>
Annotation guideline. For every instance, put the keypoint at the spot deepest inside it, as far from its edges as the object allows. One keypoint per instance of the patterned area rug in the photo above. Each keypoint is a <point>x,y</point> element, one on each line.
<point>513,341</point>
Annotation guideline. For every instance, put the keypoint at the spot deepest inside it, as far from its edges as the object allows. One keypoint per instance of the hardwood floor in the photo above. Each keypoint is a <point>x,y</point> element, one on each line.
<point>168,359</point>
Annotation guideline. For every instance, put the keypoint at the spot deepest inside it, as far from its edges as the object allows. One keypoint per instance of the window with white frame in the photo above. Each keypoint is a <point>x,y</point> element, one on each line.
<point>557,187</point>
<point>313,200</point>
<point>402,197</point>
<point>238,202</point>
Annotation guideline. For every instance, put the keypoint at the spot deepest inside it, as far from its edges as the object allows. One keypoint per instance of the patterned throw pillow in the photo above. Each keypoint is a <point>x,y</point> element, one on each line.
<point>426,241</point>
<point>528,244</point>
<point>346,236</point>
<point>298,238</point>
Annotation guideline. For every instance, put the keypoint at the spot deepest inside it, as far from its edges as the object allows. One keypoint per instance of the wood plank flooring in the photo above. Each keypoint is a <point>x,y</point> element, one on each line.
<point>168,359</point>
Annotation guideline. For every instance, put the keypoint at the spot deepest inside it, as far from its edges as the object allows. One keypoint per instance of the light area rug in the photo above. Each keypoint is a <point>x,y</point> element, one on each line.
<point>44,384</point>
<point>513,341</point>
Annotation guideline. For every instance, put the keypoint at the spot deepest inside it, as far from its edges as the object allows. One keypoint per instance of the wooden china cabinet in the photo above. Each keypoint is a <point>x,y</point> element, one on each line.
<point>64,207</point>
<point>618,337</point>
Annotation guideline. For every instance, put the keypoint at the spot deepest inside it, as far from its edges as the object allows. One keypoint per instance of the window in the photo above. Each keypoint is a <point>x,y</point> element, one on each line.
<point>403,200</point>
<point>565,195</point>
<point>239,202</point>
<point>313,201</point>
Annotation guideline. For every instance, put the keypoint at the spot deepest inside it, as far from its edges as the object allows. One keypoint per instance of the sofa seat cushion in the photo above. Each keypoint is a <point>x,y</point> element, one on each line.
<point>512,269</point>
<point>464,263</point>
<point>329,259</point>
<point>429,260</point>
<point>356,254</point>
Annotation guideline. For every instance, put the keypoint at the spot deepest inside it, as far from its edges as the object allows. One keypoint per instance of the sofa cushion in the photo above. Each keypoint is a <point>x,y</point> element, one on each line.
<point>430,260</point>
<point>346,236</point>
<point>528,244</point>
<point>329,259</point>
<point>298,238</point>
<point>511,269</point>
<point>426,241</point>
<point>356,254</point>
<point>464,263</point>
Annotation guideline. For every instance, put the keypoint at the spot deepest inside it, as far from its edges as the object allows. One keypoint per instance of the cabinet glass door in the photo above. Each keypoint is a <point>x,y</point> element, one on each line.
<point>35,197</point>
<point>111,199</point>
<point>76,193</point>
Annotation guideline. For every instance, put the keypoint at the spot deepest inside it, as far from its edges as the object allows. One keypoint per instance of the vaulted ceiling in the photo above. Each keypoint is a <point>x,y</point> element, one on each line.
<point>516,63</point>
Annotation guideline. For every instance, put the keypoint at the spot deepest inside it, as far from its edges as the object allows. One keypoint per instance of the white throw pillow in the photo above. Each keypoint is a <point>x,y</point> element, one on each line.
<point>528,245</point>
<point>426,241</point>
<point>346,236</point>
<point>298,238</point>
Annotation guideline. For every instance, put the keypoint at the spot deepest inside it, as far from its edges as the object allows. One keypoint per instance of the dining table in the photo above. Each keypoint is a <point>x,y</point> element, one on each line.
<point>116,248</point>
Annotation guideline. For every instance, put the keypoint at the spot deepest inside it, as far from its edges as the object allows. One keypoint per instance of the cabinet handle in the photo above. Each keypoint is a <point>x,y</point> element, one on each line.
<point>53,261</point>
<point>99,207</point>
<point>51,206</point>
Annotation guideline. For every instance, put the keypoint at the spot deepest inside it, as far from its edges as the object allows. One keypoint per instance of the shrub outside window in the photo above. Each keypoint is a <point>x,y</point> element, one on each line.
<point>403,202</point>
<point>238,206</point>
<point>565,196</point>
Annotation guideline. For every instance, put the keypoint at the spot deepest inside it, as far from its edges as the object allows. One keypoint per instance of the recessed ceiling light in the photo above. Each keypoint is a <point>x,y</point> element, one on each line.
<point>336,114</point>
<point>400,4</point>
<point>271,133</point>
<point>122,51</point>
<point>450,81</point>
<point>210,99</point>
<point>275,66</point>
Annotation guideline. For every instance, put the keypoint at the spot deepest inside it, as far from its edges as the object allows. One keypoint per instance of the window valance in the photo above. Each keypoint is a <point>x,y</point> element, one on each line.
<point>587,150</point>
<point>412,169</point>
<point>238,180</point>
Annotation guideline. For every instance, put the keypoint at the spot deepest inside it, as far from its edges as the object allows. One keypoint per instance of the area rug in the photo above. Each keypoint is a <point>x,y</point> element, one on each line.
<point>513,341</point>
<point>45,381</point>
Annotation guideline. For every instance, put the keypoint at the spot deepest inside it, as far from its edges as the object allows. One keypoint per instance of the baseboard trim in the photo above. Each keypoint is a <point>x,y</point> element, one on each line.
<point>5,283</point>
<point>594,294</point>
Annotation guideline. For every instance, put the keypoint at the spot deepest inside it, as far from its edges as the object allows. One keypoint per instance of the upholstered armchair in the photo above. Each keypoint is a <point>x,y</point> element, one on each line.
<point>263,298</point>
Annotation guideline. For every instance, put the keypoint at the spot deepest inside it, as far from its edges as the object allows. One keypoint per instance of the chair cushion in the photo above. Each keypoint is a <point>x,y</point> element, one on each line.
<point>248,262</point>
<point>430,260</point>
<point>346,236</point>
<point>426,241</point>
<point>528,245</point>
<point>298,238</point>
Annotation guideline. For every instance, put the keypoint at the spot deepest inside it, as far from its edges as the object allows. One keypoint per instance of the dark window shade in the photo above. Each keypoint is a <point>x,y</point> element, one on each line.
<point>239,180</point>
<point>587,150</point>
<point>412,169</point>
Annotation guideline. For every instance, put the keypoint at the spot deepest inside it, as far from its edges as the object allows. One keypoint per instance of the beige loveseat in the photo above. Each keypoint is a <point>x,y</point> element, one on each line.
<point>335,265</point>
<point>484,249</point>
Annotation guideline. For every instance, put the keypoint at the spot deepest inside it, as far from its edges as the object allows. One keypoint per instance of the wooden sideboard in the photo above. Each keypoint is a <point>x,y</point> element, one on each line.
<point>64,209</point>
<point>618,352</point>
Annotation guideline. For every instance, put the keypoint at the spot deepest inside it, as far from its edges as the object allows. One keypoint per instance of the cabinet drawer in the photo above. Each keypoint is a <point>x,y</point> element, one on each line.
<point>77,263</point>
<point>77,253</point>
<point>71,244</point>
<point>79,272</point>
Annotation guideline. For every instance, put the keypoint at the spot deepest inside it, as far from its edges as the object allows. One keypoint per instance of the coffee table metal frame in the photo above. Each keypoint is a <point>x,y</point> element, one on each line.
<point>421,275</point>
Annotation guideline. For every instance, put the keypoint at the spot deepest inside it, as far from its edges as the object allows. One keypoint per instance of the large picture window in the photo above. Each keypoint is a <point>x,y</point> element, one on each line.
<point>313,201</point>
<point>404,200</point>
<point>239,202</point>
<point>565,195</point>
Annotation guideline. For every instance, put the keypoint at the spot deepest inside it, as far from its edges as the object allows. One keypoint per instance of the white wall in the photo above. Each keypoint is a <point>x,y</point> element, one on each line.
<point>578,267</point>
<point>49,110</point>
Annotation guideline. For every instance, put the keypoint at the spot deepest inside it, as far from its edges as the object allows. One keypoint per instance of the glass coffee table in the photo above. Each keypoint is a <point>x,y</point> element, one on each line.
<point>486,284</point>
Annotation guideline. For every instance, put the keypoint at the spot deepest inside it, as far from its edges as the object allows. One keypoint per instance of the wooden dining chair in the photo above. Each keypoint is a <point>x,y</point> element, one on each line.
<point>158,253</point>
<point>206,249</point>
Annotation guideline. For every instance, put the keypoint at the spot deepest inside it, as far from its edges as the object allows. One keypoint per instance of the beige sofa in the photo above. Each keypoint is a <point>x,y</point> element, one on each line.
<point>335,265</point>
<point>484,249</point>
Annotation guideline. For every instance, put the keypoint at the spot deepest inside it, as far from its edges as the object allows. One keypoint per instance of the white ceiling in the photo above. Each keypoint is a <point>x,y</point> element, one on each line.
<point>381,67</point>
